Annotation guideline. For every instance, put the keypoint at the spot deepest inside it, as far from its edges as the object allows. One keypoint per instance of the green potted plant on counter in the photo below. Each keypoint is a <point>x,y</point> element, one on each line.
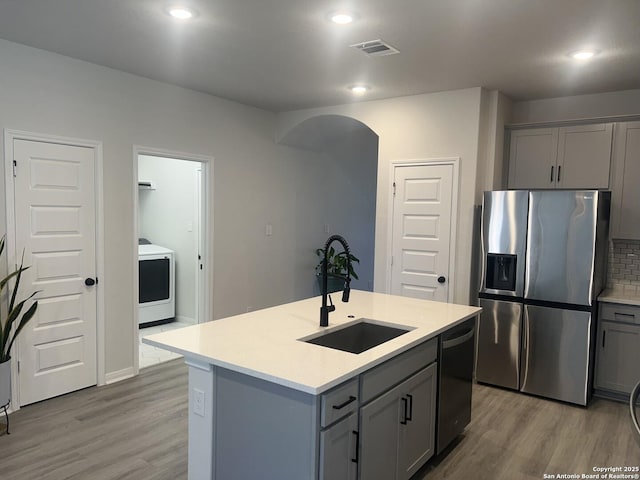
<point>10,328</point>
<point>336,265</point>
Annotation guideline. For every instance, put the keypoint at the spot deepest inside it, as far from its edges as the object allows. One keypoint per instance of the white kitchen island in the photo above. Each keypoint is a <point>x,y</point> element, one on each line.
<point>264,404</point>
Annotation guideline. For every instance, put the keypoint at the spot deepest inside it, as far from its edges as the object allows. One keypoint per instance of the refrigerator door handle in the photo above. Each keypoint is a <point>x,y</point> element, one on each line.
<point>525,349</point>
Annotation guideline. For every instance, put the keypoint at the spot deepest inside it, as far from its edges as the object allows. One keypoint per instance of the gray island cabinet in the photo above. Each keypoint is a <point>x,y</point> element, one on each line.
<point>263,404</point>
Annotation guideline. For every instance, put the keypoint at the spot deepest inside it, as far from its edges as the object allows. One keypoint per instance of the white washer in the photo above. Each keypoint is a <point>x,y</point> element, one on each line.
<point>156,284</point>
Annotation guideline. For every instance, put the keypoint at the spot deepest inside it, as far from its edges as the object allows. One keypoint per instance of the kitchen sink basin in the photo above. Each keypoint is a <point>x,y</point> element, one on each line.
<point>357,337</point>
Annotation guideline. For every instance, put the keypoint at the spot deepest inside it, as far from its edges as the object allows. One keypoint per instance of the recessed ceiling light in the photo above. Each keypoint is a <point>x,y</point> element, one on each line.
<point>342,18</point>
<point>180,12</point>
<point>359,89</point>
<point>583,54</point>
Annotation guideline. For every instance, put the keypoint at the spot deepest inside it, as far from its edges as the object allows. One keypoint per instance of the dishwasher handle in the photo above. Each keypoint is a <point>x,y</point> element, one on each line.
<point>459,340</point>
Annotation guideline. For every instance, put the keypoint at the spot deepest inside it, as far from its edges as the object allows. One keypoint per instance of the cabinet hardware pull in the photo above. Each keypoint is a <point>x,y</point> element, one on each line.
<point>405,403</point>
<point>604,335</point>
<point>357,436</point>
<point>551,179</point>
<point>345,403</point>
<point>410,416</point>
<point>559,169</point>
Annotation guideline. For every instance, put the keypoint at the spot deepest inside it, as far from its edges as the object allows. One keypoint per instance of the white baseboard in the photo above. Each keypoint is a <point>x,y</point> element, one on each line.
<point>119,375</point>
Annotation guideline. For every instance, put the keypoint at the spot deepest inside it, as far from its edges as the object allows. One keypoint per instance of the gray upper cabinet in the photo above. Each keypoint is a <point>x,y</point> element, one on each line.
<point>532,158</point>
<point>563,157</point>
<point>625,202</point>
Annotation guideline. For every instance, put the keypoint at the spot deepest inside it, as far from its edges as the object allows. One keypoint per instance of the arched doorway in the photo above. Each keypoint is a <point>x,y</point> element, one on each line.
<point>349,150</point>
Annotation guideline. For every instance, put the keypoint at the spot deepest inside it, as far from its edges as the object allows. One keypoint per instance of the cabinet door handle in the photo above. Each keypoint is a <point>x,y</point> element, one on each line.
<point>551,178</point>
<point>559,170</point>
<point>604,335</point>
<point>405,411</point>
<point>410,416</point>
<point>345,403</point>
<point>357,442</point>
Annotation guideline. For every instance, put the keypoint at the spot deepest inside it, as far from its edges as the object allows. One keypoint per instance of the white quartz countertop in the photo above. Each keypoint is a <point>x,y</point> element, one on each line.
<point>620,296</point>
<point>265,343</point>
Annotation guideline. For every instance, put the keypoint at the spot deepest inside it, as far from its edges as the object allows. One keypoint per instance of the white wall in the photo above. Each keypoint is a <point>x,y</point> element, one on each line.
<point>601,105</point>
<point>495,113</point>
<point>255,180</point>
<point>168,216</point>
<point>442,124</point>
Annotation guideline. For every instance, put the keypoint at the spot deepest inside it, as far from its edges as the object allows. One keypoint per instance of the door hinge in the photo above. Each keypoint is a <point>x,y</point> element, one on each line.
<point>394,189</point>
<point>15,165</point>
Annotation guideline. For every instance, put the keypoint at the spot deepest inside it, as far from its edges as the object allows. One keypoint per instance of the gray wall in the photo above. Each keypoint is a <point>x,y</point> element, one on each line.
<point>167,216</point>
<point>348,175</point>
<point>256,181</point>
<point>352,174</point>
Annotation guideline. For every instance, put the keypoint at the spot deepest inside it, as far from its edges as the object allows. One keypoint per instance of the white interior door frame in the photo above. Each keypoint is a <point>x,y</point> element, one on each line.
<point>455,162</point>
<point>9,136</point>
<point>206,230</point>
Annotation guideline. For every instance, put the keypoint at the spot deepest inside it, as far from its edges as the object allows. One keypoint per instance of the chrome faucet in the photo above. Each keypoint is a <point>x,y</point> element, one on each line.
<point>325,309</point>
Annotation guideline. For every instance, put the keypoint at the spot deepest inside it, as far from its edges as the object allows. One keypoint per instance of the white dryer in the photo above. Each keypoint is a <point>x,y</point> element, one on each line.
<point>156,285</point>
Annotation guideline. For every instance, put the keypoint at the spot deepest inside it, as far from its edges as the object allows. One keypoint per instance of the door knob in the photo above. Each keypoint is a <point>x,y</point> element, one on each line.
<point>441,279</point>
<point>89,282</point>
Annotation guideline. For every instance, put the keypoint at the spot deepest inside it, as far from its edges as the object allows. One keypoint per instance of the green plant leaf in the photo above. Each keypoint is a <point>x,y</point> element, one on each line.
<point>11,318</point>
<point>17,283</point>
<point>8,337</point>
<point>8,334</point>
<point>23,321</point>
<point>336,262</point>
<point>6,279</point>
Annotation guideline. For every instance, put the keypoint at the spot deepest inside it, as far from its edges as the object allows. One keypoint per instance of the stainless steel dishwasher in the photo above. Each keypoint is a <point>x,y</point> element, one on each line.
<point>456,350</point>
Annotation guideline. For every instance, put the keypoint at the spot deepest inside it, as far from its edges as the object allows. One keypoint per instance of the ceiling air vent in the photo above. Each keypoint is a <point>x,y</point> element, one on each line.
<point>375,48</point>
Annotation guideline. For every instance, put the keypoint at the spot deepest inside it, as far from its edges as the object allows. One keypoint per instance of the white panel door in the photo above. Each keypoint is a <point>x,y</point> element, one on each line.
<point>422,231</point>
<point>55,225</point>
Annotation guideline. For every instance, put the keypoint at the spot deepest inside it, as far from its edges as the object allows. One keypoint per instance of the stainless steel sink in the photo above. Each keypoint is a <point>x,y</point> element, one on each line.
<point>357,337</point>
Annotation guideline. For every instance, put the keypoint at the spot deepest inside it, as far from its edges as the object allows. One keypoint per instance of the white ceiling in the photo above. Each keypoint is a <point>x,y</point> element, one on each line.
<point>284,54</point>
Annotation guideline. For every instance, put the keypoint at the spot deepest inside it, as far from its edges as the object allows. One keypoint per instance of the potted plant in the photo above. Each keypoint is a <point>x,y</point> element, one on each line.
<point>336,265</point>
<point>11,326</point>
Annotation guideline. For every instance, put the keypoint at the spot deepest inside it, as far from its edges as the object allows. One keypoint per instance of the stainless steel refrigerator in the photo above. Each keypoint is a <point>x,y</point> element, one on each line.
<point>543,266</point>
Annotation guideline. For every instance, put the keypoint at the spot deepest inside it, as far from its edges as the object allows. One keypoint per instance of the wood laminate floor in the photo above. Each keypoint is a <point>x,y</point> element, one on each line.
<point>137,429</point>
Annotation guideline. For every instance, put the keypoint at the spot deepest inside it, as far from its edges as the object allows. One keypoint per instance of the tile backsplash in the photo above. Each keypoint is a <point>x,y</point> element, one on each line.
<point>623,271</point>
